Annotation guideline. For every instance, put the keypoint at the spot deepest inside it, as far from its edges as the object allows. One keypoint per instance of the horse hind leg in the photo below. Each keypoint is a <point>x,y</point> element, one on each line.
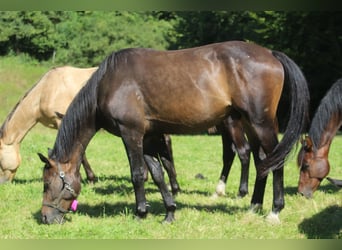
<point>166,156</point>
<point>268,139</point>
<point>155,167</point>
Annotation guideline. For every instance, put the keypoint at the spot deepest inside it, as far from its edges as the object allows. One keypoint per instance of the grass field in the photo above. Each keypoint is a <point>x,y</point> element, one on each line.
<point>106,209</point>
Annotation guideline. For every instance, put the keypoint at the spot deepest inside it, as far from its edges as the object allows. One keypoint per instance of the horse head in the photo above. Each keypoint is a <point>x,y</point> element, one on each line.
<point>314,167</point>
<point>9,161</point>
<point>62,185</point>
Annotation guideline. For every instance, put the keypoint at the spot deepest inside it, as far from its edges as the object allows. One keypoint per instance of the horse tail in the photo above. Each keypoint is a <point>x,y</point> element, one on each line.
<point>298,117</point>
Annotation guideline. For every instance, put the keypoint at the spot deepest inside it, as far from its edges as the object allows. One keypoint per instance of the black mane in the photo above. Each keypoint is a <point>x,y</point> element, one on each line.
<point>82,108</point>
<point>329,105</point>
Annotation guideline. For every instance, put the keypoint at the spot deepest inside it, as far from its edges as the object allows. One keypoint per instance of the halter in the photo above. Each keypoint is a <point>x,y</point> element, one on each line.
<point>66,187</point>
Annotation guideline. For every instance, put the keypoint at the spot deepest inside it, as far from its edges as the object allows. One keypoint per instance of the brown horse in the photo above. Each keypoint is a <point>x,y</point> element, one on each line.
<point>52,93</point>
<point>46,101</point>
<point>141,93</point>
<point>313,156</point>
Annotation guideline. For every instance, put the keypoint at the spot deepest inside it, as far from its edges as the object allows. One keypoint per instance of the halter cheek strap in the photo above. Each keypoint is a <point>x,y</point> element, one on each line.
<point>66,187</point>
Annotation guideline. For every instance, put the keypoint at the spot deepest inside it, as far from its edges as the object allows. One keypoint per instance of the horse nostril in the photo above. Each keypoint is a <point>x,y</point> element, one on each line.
<point>44,219</point>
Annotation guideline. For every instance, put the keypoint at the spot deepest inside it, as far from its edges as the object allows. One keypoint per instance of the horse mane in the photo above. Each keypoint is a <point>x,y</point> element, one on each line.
<point>82,108</point>
<point>329,105</point>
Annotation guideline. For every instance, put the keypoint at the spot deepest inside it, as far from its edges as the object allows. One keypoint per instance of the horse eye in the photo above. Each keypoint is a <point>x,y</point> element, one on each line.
<point>46,186</point>
<point>305,166</point>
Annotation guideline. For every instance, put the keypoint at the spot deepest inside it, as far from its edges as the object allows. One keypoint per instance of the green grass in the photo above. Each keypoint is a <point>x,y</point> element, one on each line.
<point>106,209</point>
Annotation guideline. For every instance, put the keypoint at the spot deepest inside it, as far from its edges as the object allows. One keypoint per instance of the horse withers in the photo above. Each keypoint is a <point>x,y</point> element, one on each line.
<point>313,156</point>
<point>141,93</point>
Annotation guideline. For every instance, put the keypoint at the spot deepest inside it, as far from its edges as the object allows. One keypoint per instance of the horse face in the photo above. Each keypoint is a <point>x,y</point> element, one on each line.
<point>60,190</point>
<point>313,170</point>
<point>9,161</point>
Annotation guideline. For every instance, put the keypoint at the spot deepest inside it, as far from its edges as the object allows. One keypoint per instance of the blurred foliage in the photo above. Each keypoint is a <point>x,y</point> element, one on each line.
<point>312,39</point>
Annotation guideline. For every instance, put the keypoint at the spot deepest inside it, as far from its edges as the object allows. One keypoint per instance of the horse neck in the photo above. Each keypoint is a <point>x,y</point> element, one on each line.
<point>23,117</point>
<point>322,149</point>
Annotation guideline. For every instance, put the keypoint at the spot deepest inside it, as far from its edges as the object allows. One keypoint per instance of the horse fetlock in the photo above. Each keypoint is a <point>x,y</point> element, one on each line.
<point>256,208</point>
<point>142,211</point>
<point>220,188</point>
<point>242,193</point>
<point>169,217</point>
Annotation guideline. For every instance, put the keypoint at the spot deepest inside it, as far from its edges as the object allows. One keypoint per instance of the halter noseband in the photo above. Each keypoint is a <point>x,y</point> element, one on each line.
<point>66,187</point>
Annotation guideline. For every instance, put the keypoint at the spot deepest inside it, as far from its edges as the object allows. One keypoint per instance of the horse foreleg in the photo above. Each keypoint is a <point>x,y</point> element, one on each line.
<point>89,172</point>
<point>133,142</point>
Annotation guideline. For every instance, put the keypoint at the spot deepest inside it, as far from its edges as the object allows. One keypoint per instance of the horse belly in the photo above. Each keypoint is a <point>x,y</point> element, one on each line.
<point>187,114</point>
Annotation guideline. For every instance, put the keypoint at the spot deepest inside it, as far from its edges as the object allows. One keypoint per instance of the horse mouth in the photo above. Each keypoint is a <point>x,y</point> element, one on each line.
<point>56,219</point>
<point>306,193</point>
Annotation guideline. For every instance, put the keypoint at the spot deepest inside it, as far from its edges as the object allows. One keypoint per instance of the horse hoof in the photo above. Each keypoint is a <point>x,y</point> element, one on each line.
<point>255,208</point>
<point>220,188</point>
<point>169,218</point>
<point>273,218</point>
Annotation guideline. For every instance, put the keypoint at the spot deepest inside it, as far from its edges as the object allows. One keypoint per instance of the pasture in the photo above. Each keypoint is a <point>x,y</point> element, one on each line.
<point>106,208</point>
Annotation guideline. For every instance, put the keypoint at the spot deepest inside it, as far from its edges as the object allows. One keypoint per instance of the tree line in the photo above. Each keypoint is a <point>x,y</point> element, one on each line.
<point>83,38</point>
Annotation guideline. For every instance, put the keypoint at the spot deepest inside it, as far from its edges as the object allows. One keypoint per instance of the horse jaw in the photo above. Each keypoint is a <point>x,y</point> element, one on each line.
<point>9,161</point>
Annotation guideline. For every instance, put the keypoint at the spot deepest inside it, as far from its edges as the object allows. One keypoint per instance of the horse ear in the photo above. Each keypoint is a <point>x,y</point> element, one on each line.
<point>59,115</point>
<point>49,152</point>
<point>307,143</point>
<point>44,159</point>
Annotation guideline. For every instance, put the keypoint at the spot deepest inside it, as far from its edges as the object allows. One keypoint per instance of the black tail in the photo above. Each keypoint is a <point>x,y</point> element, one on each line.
<point>299,114</point>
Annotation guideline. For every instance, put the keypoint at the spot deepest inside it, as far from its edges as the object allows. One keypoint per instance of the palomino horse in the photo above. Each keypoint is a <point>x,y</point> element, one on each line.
<point>313,156</point>
<point>140,93</point>
<point>52,93</point>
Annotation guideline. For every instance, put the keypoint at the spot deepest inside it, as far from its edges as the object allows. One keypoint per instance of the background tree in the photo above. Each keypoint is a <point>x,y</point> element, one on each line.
<point>312,39</point>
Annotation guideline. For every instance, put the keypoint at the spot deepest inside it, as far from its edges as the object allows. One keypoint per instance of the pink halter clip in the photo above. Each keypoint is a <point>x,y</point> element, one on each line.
<point>73,206</point>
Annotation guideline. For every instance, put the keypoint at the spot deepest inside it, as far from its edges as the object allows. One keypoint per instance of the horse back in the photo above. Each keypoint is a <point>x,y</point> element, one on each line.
<point>192,87</point>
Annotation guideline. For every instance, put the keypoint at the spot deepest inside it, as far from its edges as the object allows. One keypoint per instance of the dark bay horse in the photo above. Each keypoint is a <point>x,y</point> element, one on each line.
<point>313,156</point>
<point>141,93</point>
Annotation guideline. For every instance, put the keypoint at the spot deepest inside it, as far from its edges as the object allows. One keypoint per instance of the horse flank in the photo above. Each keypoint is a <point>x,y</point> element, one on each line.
<point>330,105</point>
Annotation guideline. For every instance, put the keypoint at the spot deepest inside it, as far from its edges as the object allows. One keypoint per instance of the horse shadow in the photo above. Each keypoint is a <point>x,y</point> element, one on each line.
<point>123,185</point>
<point>326,188</point>
<point>156,209</point>
<point>326,224</point>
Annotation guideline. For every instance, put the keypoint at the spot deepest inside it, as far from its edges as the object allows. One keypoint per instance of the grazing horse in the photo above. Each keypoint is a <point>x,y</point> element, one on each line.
<point>51,94</point>
<point>45,102</point>
<point>141,93</point>
<point>313,156</point>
